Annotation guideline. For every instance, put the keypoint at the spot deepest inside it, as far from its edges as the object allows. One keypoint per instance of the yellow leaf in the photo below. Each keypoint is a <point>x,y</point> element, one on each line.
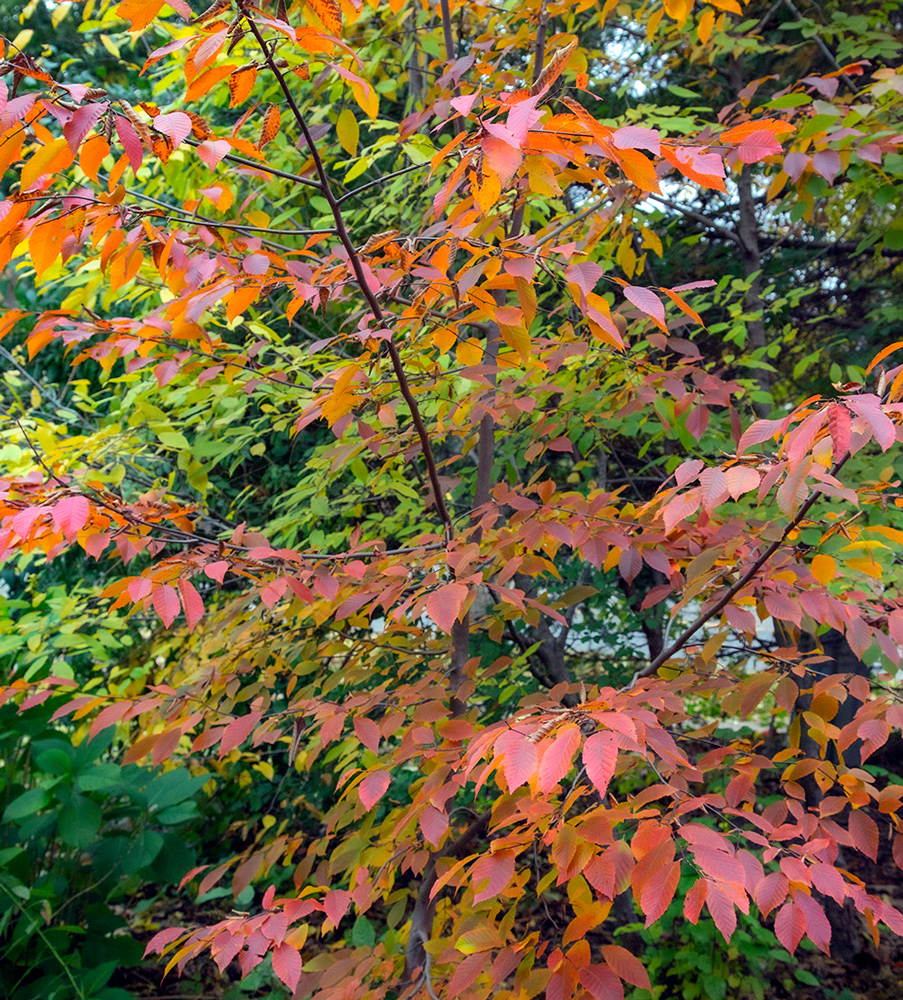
<point>54,156</point>
<point>730,5</point>
<point>679,10</point>
<point>469,352</point>
<point>651,240</point>
<point>823,568</point>
<point>348,131</point>
<point>706,23</point>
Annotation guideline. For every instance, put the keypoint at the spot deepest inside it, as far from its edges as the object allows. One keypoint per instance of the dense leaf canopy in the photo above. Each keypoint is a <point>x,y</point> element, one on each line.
<point>480,420</point>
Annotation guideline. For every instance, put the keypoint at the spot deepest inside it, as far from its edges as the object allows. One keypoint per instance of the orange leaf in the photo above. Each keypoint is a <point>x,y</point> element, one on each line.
<point>270,127</point>
<point>241,83</point>
<point>329,12</point>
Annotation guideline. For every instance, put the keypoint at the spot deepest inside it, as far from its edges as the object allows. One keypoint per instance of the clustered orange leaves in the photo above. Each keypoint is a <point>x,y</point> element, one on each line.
<point>468,282</point>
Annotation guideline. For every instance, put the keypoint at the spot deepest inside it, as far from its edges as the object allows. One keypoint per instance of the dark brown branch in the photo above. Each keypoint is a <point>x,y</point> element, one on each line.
<point>356,266</point>
<point>735,589</point>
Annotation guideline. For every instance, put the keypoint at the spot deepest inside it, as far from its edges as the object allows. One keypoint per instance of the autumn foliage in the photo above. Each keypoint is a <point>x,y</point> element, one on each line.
<point>443,288</point>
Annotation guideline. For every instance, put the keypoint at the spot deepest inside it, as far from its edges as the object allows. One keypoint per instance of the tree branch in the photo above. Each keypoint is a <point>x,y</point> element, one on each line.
<point>360,278</point>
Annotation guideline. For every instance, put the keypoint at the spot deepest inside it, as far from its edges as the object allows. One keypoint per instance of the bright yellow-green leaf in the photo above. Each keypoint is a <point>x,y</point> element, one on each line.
<point>348,131</point>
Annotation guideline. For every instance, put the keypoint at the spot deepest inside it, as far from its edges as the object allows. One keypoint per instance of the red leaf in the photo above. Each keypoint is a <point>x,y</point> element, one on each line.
<point>790,926</point>
<point>130,142</point>
<point>108,717</point>
<point>869,408</point>
<point>758,146</point>
<point>584,275</point>
<point>520,758</point>
<point>373,788</point>
<point>287,965</point>
<point>839,423</point>
<point>714,487</point>
<point>627,966</point>
<point>367,732</point>
<point>217,570</point>
<point>694,900</point>
<point>166,603</point>
<point>498,869</point>
<point>771,892</point>
<point>335,904</point>
<point>81,123</point>
<point>761,430</point>
<point>162,938</point>
<point>864,833</point>
<point>557,756</point>
<point>601,982</point>
<point>600,756</point>
<point>191,602</point>
<point>238,731</point>
<point>71,514</point>
<point>635,137</point>
<point>434,824</point>
<point>818,929</point>
<point>444,605</point>
<point>722,909</point>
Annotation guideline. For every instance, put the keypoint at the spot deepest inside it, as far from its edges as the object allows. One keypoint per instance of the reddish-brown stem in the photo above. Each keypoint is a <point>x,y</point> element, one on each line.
<point>355,262</point>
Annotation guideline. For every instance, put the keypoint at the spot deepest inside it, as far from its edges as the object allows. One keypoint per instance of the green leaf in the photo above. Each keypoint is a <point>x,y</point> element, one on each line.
<point>790,101</point>
<point>101,776</point>
<point>79,821</point>
<point>715,987</point>
<point>27,804</point>
<point>363,934</point>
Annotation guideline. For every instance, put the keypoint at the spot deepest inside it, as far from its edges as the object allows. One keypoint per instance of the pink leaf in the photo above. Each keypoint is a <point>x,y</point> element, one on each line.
<point>238,731</point>
<point>647,302</point>
<point>761,430</point>
<point>584,275</point>
<point>211,151</point>
<point>795,165</point>
<point>287,965</point>
<point>444,605</point>
<point>626,966</point>
<point>434,824</point>
<point>162,938</point>
<point>191,602</point>
<point>217,570</point>
<point>758,146</point>
<point>373,788</point>
<point>558,754</point>
<point>635,137</point>
<point>166,371</point>
<point>176,124</point>
<point>71,514</point>
<point>166,603</point>
<point>600,982</point>
<point>520,758</point>
<point>790,926</point>
<point>130,142</point>
<point>826,163</point>
<point>367,732</point>
<point>868,407</point>
<point>81,123</point>
<point>600,755</point>
<point>335,904</point>
<point>494,873</point>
